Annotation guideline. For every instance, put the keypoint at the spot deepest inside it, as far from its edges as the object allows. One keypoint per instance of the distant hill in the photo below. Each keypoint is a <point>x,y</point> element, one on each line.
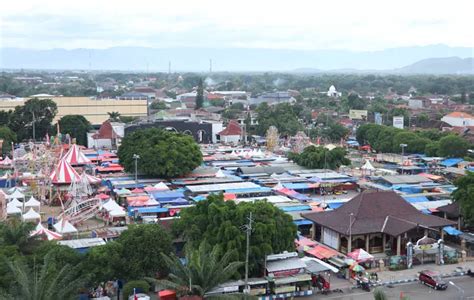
<point>229,59</point>
<point>442,65</point>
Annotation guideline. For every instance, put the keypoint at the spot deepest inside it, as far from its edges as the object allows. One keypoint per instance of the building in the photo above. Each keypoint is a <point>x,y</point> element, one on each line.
<point>419,102</point>
<point>273,98</point>
<point>204,132</point>
<point>232,134</point>
<point>374,221</point>
<point>332,92</point>
<point>458,119</point>
<point>108,136</point>
<point>95,111</point>
<point>6,96</point>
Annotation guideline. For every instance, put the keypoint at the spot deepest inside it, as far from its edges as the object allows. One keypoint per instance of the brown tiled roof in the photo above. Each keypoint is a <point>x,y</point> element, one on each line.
<point>106,131</point>
<point>375,212</point>
<point>233,128</point>
<point>451,209</point>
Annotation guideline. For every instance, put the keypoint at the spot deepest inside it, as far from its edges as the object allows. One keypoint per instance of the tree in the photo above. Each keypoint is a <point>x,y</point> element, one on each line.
<point>45,283</point>
<point>135,284</point>
<point>158,105</point>
<point>39,112</point>
<point>353,101</point>
<point>200,95</point>
<point>5,117</point>
<point>464,195</point>
<point>105,263</point>
<point>282,116</point>
<point>114,116</point>
<point>219,224</point>
<point>379,294</point>
<point>453,146</point>
<point>432,149</point>
<point>141,248</point>
<point>77,126</point>
<point>16,233</point>
<point>415,143</point>
<point>162,153</point>
<point>204,270</point>
<point>320,158</point>
<point>8,137</point>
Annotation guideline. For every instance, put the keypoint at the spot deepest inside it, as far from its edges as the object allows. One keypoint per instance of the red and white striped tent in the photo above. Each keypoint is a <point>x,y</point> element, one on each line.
<point>91,179</point>
<point>44,232</point>
<point>64,173</point>
<point>75,156</point>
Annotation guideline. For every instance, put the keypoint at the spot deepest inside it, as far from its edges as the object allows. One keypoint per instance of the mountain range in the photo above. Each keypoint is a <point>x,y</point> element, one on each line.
<point>434,59</point>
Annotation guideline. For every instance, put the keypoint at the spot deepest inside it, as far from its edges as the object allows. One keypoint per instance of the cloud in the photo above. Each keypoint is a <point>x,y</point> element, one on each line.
<point>299,24</point>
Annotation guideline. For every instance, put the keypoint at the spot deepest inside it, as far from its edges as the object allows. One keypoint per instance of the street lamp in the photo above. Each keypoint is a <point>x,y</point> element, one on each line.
<point>349,242</point>
<point>461,291</point>
<point>403,154</point>
<point>136,157</point>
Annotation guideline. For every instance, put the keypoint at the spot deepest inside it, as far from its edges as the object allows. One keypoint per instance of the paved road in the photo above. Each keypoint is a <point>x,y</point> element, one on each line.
<point>414,291</point>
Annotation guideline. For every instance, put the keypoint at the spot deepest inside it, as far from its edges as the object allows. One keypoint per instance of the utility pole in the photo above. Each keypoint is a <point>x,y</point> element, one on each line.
<point>248,229</point>
<point>210,65</point>
<point>34,126</point>
<point>136,157</point>
<point>169,67</point>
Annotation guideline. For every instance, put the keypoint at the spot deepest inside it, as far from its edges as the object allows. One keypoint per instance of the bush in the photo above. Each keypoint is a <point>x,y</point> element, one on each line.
<point>379,294</point>
<point>140,285</point>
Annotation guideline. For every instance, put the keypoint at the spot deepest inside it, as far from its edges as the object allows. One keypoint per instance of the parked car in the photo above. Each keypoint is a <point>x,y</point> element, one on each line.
<point>432,279</point>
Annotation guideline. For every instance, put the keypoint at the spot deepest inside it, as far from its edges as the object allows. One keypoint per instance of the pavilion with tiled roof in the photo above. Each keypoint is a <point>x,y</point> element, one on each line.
<point>375,221</point>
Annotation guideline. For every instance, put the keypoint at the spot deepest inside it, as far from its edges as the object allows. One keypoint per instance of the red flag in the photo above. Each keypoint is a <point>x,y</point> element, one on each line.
<point>135,294</point>
<point>318,141</point>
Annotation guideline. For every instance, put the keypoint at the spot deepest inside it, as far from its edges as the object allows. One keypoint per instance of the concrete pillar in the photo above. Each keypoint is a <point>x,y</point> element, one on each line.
<point>349,244</point>
<point>313,231</point>
<point>442,234</point>
<point>367,240</point>
<point>463,256</point>
<point>459,223</point>
<point>384,241</point>
<point>426,232</point>
<point>399,245</point>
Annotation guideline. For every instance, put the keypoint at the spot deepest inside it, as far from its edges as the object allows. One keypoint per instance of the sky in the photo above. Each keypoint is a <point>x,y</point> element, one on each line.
<point>361,25</point>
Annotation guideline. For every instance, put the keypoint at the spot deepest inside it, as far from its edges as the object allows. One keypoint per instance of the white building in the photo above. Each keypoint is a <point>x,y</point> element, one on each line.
<point>332,92</point>
<point>458,119</point>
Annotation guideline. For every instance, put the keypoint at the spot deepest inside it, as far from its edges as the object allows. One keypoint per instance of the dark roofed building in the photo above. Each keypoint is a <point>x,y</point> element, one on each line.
<point>374,221</point>
<point>259,171</point>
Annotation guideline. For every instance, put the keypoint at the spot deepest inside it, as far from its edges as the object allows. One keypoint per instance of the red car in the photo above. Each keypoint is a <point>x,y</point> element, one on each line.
<point>433,280</point>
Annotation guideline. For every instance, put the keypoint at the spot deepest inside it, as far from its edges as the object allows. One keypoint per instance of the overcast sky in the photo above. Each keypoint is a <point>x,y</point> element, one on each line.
<point>296,24</point>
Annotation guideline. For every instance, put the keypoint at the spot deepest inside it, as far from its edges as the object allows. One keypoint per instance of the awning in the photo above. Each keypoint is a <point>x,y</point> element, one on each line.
<point>416,199</point>
<point>335,205</point>
<point>321,252</point>
<point>144,210</point>
<point>451,230</point>
<point>302,222</point>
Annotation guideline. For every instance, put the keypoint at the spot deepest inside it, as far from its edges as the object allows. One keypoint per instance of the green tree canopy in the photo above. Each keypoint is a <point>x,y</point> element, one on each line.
<point>8,137</point>
<point>158,105</point>
<point>414,142</point>
<point>162,153</point>
<point>200,94</point>
<point>464,195</point>
<point>320,158</point>
<point>77,126</point>
<point>453,146</point>
<point>39,111</point>
<point>282,116</point>
<point>142,246</point>
<point>204,270</point>
<point>220,224</point>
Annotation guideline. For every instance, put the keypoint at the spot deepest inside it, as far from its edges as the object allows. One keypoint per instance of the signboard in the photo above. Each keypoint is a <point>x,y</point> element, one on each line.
<point>357,114</point>
<point>398,122</point>
<point>378,118</point>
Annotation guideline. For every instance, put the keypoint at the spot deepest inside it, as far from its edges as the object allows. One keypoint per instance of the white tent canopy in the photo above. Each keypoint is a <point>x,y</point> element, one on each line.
<point>15,202</point>
<point>117,213</point>
<point>32,202</point>
<point>50,235</point>
<point>64,227</point>
<point>368,166</point>
<point>31,215</point>
<point>13,210</point>
<point>161,186</point>
<point>111,205</point>
<point>16,194</point>
<point>220,174</point>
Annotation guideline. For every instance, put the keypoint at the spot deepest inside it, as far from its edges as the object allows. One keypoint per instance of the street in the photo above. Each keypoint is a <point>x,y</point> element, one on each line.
<point>412,291</point>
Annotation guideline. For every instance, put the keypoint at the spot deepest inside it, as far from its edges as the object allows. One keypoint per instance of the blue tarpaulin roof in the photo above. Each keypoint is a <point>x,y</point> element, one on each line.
<point>450,162</point>
<point>416,199</point>
<point>302,222</point>
<point>249,190</point>
<point>295,208</point>
<point>170,195</point>
<point>297,186</point>
<point>151,209</point>
<point>335,205</point>
<point>451,230</point>
<point>426,211</point>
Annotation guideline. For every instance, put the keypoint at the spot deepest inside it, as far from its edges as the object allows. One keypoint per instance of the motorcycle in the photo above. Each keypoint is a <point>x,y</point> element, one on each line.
<point>470,273</point>
<point>363,284</point>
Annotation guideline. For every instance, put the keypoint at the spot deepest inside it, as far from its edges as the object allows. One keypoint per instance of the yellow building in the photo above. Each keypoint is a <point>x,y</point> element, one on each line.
<point>93,110</point>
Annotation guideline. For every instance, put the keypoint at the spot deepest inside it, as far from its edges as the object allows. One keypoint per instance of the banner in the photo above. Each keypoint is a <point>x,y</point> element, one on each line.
<point>398,122</point>
<point>357,114</point>
<point>378,118</point>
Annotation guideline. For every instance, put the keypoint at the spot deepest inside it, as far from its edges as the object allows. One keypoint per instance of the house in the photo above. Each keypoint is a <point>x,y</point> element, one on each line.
<point>375,221</point>
<point>418,102</point>
<point>150,93</point>
<point>273,98</point>
<point>133,96</point>
<point>108,136</point>
<point>232,134</point>
<point>458,119</point>
<point>6,96</point>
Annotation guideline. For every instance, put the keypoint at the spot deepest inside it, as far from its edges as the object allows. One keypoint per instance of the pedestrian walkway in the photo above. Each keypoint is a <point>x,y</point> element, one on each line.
<point>390,276</point>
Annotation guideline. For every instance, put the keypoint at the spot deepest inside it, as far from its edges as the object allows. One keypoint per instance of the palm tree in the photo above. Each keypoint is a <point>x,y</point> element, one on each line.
<point>204,270</point>
<point>16,233</point>
<point>114,116</point>
<point>42,282</point>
